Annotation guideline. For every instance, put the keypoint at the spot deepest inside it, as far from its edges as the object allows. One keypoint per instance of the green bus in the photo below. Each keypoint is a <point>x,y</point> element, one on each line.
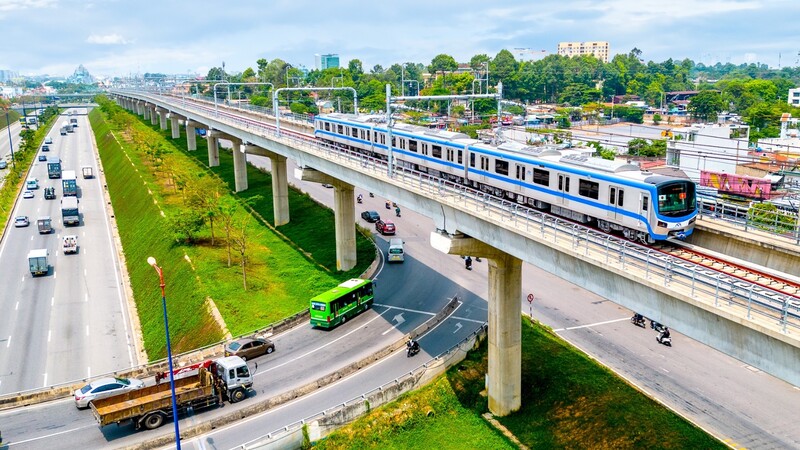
<point>334,307</point>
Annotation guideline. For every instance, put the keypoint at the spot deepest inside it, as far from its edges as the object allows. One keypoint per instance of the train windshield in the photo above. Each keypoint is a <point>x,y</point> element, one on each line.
<point>676,199</point>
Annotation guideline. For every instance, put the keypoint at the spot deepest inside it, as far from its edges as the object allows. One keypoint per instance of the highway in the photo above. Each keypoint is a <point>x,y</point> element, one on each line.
<point>72,323</point>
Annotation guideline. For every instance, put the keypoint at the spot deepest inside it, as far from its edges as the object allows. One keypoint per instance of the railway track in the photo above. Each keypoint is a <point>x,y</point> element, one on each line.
<point>735,269</point>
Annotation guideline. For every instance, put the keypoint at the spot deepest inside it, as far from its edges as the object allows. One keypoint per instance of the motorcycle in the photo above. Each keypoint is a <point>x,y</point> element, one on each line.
<point>397,211</point>
<point>664,338</point>
<point>359,199</point>
<point>468,263</point>
<point>638,320</point>
<point>657,326</point>
<point>412,349</point>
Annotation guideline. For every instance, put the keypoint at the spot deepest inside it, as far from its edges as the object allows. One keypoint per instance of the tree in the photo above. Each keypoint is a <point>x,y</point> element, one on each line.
<point>706,105</point>
<point>203,194</point>
<point>443,63</point>
<point>355,68</point>
<point>226,210</point>
<point>185,225</point>
<point>240,240</point>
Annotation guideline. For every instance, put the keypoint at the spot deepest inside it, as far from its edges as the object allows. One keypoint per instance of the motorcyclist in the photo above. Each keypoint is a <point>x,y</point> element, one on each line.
<point>638,318</point>
<point>468,263</point>
<point>665,333</point>
<point>360,198</point>
<point>412,345</point>
<point>397,211</point>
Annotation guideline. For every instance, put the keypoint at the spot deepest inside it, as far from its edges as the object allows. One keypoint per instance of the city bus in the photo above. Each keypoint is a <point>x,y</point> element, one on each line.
<point>334,307</point>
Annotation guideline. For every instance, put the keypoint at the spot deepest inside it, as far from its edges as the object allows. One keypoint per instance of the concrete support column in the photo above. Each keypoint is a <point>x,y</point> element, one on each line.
<point>175,127</point>
<point>239,164</point>
<point>280,190</point>
<point>139,108</point>
<point>213,150</point>
<point>505,335</point>
<point>146,108</point>
<point>162,116</point>
<point>153,115</point>
<point>191,137</point>
<point>345,222</point>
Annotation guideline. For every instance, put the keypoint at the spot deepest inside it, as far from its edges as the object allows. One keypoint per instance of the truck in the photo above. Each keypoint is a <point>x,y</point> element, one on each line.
<point>69,211</point>
<point>53,167</point>
<point>45,225</point>
<point>87,172</point>
<point>73,121</point>
<point>70,244</point>
<point>37,262</point>
<point>69,183</point>
<point>225,378</point>
<point>63,129</point>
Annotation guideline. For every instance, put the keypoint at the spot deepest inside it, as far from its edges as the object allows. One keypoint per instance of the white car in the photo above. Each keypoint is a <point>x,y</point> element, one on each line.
<point>27,194</point>
<point>21,221</point>
<point>105,387</point>
<point>48,140</point>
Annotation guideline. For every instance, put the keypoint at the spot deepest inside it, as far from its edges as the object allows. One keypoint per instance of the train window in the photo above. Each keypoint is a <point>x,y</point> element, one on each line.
<point>412,145</point>
<point>339,129</point>
<point>369,138</point>
<point>460,157</point>
<point>354,132</point>
<point>620,198</point>
<point>612,196</point>
<point>542,177</point>
<point>501,167</point>
<point>472,159</point>
<point>449,154</point>
<point>362,135</point>
<point>588,188</point>
<point>424,149</point>
<point>563,183</point>
<point>645,202</point>
<point>327,126</point>
<point>394,141</point>
<point>436,151</point>
<point>520,172</point>
<point>484,163</point>
<point>383,138</point>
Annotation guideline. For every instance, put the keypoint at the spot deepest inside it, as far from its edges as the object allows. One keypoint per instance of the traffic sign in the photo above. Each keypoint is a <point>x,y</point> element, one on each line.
<point>530,298</point>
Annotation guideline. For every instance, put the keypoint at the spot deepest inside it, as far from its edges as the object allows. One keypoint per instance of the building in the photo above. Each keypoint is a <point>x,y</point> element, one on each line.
<point>81,76</point>
<point>323,62</point>
<point>715,148</point>
<point>598,49</point>
<point>794,97</point>
<point>7,75</point>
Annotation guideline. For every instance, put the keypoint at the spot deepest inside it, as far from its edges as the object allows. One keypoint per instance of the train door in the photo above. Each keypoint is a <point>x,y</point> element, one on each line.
<point>616,202</point>
<point>563,189</point>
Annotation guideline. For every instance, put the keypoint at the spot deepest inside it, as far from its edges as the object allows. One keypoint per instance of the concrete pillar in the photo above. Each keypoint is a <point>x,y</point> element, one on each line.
<point>162,116</point>
<point>345,222</point>
<point>153,115</point>
<point>280,190</point>
<point>146,111</point>
<point>213,150</point>
<point>239,164</point>
<point>175,127</point>
<point>505,335</point>
<point>191,137</point>
<point>139,108</point>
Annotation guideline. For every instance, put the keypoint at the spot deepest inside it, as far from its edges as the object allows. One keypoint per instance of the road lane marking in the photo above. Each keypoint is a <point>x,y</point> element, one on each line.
<point>8,344</point>
<point>86,298</point>
<point>49,334</point>
<point>51,435</point>
<point>16,307</point>
<point>45,380</point>
<point>52,301</point>
<point>84,272</point>
<point>406,309</point>
<point>54,274</point>
<point>87,330</point>
<point>591,324</point>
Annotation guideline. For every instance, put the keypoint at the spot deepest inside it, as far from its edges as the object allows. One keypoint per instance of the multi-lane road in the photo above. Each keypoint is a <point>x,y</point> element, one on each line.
<point>71,323</point>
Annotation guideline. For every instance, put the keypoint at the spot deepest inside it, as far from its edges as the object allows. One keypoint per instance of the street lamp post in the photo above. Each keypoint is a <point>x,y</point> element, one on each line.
<point>10,143</point>
<point>152,262</point>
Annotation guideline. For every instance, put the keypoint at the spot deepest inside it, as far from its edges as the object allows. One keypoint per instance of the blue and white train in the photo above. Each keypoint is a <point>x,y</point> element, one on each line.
<point>612,195</point>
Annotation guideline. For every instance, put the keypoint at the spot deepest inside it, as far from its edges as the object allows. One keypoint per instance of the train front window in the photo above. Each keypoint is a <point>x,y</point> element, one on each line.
<point>676,199</point>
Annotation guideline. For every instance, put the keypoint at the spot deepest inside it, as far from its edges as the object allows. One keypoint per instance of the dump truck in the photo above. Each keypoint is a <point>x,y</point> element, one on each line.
<point>44,224</point>
<point>37,262</point>
<point>70,244</point>
<point>150,406</point>
<point>87,172</point>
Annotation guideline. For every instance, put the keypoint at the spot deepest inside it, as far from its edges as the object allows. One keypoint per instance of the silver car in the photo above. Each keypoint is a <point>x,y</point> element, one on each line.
<point>105,387</point>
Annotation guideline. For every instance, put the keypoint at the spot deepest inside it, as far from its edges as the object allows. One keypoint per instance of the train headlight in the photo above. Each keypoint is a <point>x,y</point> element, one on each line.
<point>691,221</point>
<point>662,224</point>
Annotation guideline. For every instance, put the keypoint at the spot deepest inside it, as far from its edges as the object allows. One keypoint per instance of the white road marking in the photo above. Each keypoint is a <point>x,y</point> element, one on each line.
<point>54,274</point>
<point>51,435</point>
<point>16,307</point>
<point>86,298</point>
<point>52,301</point>
<point>87,330</point>
<point>31,237</point>
<point>45,381</point>
<point>49,334</point>
<point>406,309</point>
<point>591,324</point>
<point>8,344</point>
<point>458,327</point>
<point>84,272</point>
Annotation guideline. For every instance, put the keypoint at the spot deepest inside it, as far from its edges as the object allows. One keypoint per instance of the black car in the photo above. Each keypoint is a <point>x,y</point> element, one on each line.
<point>371,216</point>
<point>42,157</point>
<point>45,148</point>
<point>49,193</point>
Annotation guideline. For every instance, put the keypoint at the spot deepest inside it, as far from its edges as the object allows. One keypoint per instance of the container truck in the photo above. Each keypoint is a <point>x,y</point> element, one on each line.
<point>53,167</point>
<point>69,183</point>
<point>70,244</point>
<point>87,172</point>
<point>149,407</point>
<point>69,211</point>
<point>37,262</point>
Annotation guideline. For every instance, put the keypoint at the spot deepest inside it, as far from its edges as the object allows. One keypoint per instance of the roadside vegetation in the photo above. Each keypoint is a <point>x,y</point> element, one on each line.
<point>211,243</point>
<point>568,401</point>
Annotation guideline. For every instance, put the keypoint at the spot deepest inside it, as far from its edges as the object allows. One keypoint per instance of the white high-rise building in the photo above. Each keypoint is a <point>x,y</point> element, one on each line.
<point>599,49</point>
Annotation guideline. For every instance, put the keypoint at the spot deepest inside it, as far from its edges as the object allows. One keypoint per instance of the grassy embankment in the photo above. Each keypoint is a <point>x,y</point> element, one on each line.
<point>280,276</point>
<point>568,401</point>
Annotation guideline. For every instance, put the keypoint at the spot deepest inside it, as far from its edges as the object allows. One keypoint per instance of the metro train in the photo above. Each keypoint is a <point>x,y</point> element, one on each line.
<point>614,196</point>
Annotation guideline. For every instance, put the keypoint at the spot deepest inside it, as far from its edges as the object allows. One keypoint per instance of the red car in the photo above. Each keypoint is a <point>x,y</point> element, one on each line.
<point>385,227</point>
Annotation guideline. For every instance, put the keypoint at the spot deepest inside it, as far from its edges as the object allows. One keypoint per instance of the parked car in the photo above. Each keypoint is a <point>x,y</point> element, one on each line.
<point>27,194</point>
<point>371,216</point>
<point>105,387</point>
<point>42,157</point>
<point>385,227</point>
<point>21,221</point>
<point>249,348</point>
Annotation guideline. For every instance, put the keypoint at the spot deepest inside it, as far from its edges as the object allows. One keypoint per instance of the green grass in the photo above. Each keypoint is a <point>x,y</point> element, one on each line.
<point>13,116</point>
<point>568,401</point>
<point>281,276</point>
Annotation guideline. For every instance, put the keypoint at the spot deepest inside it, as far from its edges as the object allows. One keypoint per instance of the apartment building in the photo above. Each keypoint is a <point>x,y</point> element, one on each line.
<point>598,49</point>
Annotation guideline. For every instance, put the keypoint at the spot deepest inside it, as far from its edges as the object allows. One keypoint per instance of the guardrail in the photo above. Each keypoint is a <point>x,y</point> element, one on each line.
<point>715,288</point>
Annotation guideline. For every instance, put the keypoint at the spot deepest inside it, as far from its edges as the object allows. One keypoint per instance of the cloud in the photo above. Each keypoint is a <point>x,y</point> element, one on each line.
<point>108,39</point>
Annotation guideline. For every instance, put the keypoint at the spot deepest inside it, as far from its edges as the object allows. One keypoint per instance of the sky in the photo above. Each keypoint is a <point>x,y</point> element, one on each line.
<point>130,37</point>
